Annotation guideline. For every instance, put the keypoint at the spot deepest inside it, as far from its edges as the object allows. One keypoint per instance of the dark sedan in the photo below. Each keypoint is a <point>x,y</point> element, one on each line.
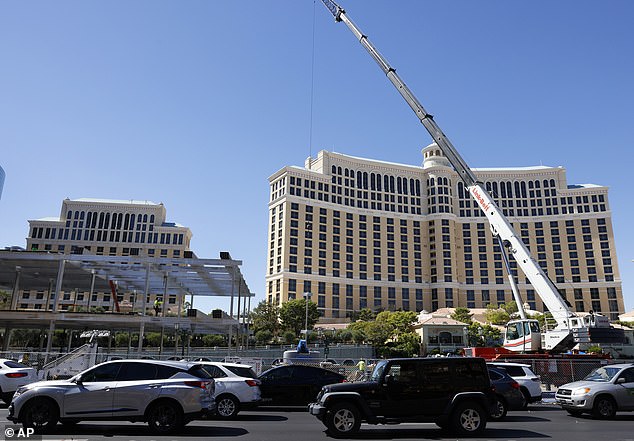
<point>295,384</point>
<point>507,392</point>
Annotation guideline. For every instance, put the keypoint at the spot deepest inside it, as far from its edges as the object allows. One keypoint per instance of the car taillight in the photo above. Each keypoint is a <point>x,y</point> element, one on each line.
<point>16,374</point>
<point>515,385</point>
<point>200,384</point>
<point>252,383</point>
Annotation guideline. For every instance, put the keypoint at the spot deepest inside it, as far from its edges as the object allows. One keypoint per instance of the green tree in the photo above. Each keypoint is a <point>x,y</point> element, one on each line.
<point>462,314</point>
<point>500,315</point>
<point>211,340</point>
<point>406,345</point>
<point>481,335</point>
<point>121,339</point>
<point>289,337</point>
<point>366,315</point>
<point>377,333</point>
<point>153,339</point>
<point>343,335</point>
<point>401,322</point>
<point>263,337</point>
<point>293,315</point>
<point>266,317</point>
<point>403,340</point>
<point>358,336</point>
<point>5,299</point>
<point>25,338</point>
<point>391,333</point>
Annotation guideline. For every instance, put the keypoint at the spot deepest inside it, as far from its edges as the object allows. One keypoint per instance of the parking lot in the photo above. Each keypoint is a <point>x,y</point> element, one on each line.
<point>539,422</point>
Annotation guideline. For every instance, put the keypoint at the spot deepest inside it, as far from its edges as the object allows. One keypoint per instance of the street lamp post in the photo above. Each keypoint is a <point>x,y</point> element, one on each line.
<point>307,296</point>
<point>176,328</point>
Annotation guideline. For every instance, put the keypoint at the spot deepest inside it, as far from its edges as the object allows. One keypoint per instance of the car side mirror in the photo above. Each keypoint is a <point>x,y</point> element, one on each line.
<point>389,379</point>
<point>620,380</point>
<point>78,381</point>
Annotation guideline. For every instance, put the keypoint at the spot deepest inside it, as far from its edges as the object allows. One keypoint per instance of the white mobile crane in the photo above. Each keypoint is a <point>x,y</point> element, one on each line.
<point>521,335</point>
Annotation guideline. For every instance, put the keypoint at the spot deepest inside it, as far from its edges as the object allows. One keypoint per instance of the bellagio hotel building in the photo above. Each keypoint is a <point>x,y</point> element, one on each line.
<point>358,233</point>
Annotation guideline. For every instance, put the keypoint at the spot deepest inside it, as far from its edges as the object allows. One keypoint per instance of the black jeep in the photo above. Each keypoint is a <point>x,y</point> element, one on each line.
<point>453,392</point>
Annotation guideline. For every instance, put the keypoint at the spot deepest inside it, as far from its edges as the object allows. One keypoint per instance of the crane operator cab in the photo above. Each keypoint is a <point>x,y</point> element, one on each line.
<point>522,336</point>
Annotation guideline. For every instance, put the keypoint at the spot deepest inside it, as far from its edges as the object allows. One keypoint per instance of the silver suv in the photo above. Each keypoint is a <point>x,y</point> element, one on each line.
<point>165,394</point>
<point>602,393</point>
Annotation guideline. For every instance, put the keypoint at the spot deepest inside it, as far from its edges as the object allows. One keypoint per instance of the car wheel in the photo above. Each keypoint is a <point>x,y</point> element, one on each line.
<point>468,419</point>
<point>227,406</point>
<point>527,397</point>
<point>164,417</point>
<point>574,413</point>
<point>40,414</point>
<point>343,419</point>
<point>604,408</point>
<point>499,409</point>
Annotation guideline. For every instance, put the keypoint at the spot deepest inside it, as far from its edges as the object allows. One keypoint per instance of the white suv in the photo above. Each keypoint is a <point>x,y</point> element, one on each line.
<point>165,394</point>
<point>530,383</point>
<point>237,387</point>
<point>12,376</point>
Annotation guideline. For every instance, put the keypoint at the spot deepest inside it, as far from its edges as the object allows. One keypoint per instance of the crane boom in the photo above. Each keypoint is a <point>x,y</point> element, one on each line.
<point>500,226</point>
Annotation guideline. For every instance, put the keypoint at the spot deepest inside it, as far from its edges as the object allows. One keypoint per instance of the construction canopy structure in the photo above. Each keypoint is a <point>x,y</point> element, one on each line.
<point>180,277</point>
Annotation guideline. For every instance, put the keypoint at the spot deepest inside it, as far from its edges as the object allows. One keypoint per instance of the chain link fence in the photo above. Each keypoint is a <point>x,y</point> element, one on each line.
<point>343,359</point>
<point>557,371</point>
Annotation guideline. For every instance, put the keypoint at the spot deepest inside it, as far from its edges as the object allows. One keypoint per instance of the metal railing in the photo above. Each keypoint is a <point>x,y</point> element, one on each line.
<point>553,371</point>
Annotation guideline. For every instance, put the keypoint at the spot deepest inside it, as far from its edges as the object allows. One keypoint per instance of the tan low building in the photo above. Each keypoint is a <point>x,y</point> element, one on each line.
<point>440,334</point>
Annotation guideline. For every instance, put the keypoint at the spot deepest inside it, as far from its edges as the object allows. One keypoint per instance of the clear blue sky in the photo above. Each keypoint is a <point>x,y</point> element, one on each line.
<point>195,104</point>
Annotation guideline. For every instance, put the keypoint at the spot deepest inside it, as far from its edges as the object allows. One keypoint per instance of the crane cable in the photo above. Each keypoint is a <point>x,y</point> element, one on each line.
<point>312,88</point>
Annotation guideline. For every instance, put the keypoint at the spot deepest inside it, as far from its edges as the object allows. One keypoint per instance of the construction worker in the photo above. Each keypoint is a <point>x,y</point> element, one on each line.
<point>361,367</point>
<point>158,304</point>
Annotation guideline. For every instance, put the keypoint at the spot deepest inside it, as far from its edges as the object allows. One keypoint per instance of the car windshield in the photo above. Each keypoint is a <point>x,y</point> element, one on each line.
<point>378,371</point>
<point>602,374</point>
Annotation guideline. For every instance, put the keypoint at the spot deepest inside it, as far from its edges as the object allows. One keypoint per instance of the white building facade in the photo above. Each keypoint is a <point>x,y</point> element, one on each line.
<point>106,228</point>
<point>358,233</point>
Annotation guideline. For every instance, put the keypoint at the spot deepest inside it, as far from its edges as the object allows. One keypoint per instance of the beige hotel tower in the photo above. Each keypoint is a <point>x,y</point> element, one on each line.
<point>359,233</point>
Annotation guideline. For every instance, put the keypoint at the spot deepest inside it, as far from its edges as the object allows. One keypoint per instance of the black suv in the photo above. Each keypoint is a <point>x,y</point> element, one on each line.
<point>453,392</point>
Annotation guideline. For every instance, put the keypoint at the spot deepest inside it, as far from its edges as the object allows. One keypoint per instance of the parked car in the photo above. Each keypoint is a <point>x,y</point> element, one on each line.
<point>508,395</point>
<point>453,392</point>
<point>530,383</point>
<point>295,384</point>
<point>13,375</point>
<point>605,391</point>
<point>165,394</point>
<point>237,387</point>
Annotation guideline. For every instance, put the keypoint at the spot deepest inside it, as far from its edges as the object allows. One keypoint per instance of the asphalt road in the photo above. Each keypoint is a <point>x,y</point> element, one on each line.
<point>540,422</point>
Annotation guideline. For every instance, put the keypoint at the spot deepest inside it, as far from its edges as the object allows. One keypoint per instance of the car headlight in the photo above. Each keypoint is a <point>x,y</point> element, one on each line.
<point>582,391</point>
<point>20,391</point>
